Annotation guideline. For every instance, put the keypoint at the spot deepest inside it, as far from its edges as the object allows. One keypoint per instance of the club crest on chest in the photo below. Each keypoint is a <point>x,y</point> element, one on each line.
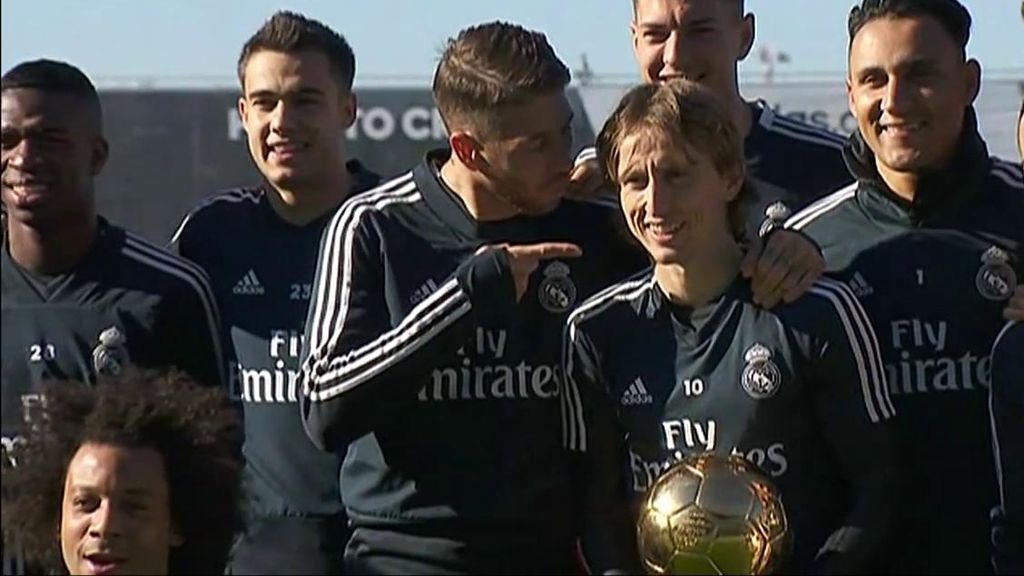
<point>109,356</point>
<point>996,279</point>
<point>557,292</point>
<point>761,376</point>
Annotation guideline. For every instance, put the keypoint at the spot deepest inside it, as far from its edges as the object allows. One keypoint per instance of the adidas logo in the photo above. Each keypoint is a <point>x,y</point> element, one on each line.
<point>249,285</point>
<point>421,293</point>
<point>860,286</point>
<point>636,394</point>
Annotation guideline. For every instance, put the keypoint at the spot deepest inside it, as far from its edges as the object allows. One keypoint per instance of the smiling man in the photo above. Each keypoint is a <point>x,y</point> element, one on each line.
<point>259,247</point>
<point>927,239</point>
<point>81,296</point>
<point>704,42</point>
<point>789,163</point>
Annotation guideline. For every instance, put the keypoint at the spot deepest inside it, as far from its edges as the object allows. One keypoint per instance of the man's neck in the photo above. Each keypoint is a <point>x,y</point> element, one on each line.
<point>300,206</point>
<point>903,184</point>
<point>702,280</point>
<point>54,251</point>
<point>742,116</point>
<point>481,202</point>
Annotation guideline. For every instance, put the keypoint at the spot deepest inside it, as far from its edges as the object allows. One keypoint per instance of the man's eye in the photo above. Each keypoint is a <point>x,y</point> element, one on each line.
<point>84,503</point>
<point>633,182</point>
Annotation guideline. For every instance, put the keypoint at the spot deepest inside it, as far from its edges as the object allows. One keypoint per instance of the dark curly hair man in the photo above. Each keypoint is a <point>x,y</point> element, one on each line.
<point>139,474</point>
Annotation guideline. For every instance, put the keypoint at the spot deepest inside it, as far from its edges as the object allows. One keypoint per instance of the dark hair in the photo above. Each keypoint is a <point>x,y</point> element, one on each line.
<point>195,430</point>
<point>291,32</point>
<point>739,4</point>
<point>952,15</point>
<point>54,77</point>
<point>692,119</point>
<point>492,66</point>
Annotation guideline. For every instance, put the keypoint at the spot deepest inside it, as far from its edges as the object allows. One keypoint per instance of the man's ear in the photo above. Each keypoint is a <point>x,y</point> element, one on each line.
<point>467,149</point>
<point>749,33</point>
<point>972,82</point>
<point>349,108</point>
<point>734,182</point>
<point>243,110</point>
<point>849,97</point>
<point>100,154</point>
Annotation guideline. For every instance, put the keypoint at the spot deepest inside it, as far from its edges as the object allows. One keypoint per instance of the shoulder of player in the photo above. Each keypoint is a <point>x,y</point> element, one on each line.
<point>396,196</point>
<point>800,135</point>
<point>828,307</point>
<point>363,178</point>
<point>607,304</point>
<point>1002,205</point>
<point>213,211</point>
<point>1007,175</point>
<point>14,292</point>
<point>153,269</point>
<point>826,209</point>
<point>1010,340</point>
<point>1005,191</point>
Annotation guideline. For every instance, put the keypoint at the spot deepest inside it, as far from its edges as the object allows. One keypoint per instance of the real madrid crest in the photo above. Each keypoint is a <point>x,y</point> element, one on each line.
<point>557,293</point>
<point>761,377</point>
<point>110,356</point>
<point>996,279</point>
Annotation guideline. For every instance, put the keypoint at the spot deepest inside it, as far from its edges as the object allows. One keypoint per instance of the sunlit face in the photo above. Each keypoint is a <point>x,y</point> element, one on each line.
<point>529,155</point>
<point>295,114</point>
<point>699,40</point>
<point>909,88</point>
<point>674,199</point>
<point>115,517</point>
<point>52,149</point>
<point>1020,139</point>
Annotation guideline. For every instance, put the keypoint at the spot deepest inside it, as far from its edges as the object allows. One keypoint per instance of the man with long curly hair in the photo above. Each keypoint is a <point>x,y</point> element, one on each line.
<point>137,475</point>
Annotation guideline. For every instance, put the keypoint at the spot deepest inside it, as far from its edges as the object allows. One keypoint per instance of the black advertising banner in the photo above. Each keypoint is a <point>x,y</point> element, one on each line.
<point>170,149</point>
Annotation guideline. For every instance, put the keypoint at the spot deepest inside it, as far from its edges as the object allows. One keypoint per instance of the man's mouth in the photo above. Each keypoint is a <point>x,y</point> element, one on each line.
<point>902,129</point>
<point>103,563</point>
<point>662,232</point>
<point>286,150</point>
<point>27,191</point>
<point>698,78</point>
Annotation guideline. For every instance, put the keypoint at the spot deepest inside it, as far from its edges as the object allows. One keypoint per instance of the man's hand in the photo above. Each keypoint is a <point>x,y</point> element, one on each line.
<point>784,269</point>
<point>585,180</point>
<point>523,259</point>
<point>1015,307</point>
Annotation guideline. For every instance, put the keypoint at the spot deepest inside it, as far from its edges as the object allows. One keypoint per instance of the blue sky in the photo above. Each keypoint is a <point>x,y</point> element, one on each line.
<point>197,41</point>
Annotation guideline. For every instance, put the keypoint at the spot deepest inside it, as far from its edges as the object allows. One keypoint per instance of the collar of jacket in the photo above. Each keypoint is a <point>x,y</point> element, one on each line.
<point>362,178</point>
<point>941,195</point>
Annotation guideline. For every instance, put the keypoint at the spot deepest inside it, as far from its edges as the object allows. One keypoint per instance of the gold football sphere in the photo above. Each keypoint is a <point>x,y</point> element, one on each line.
<point>710,514</point>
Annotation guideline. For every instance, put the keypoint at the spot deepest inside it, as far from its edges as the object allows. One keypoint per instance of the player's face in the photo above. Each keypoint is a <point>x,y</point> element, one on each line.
<point>530,155</point>
<point>115,518</point>
<point>52,149</point>
<point>909,89</point>
<point>1020,139</point>
<point>700,40</point>
<point>675,200</point>
<point>295,114</point>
